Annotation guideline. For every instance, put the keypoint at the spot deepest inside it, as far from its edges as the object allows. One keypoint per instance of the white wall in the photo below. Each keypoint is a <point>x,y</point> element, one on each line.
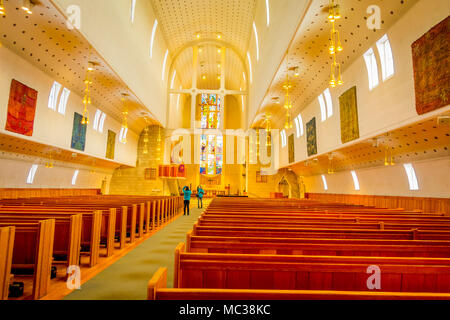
<point>433,177</point>
<point>285,16</point>
<point>390,105</point>
<point>51,127</point>
<point>106,24</point>
<point>14,173</point>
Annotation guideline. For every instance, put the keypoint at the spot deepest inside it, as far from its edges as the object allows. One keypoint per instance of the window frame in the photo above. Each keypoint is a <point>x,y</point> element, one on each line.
<point>372,68</point>
<point>63,101</point>
<point>386,58</point>
<point>54,95</point>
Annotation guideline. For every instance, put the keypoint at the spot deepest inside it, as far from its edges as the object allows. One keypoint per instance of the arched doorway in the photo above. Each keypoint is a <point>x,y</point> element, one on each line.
<point>284,188</point>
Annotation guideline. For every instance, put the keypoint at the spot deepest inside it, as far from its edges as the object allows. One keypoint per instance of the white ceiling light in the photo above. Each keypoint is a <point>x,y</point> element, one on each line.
<point>268,12</point>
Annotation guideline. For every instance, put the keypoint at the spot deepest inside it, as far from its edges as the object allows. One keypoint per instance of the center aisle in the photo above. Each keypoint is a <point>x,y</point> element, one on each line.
<point>127,279</point>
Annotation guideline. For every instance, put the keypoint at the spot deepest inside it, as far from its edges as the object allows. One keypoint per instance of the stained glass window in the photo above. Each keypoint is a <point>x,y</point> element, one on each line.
<point>211,158</point>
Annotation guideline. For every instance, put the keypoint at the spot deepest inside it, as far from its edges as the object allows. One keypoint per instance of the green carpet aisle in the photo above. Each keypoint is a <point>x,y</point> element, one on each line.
<point>127,278</point>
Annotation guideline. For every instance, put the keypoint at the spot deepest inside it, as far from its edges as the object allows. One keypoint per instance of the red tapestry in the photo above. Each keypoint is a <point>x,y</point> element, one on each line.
<point>431,62</point>
<point>21,109</point>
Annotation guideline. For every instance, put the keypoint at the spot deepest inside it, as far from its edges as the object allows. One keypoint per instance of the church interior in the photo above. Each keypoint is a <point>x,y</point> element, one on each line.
<point>224,150</point>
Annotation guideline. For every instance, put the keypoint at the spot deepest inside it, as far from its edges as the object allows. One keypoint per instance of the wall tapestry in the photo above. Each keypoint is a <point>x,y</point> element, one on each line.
<point>21,109</point>
<point>110,147</point>
<point>78,133</point>
<point>431,62</point>
<point>311,137</point>
<point>291,148</point>
<point>349,116</point>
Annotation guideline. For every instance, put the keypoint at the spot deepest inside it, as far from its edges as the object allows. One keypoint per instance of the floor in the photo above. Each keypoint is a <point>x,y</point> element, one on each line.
<point>127,278</point>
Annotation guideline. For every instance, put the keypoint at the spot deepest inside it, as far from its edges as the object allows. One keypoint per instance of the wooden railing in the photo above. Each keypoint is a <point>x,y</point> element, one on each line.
<point>19,193</point>
<point>427,205</point>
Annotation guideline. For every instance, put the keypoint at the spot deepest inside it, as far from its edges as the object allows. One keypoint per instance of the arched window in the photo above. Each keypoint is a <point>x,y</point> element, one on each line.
<point>355,180</point>
<point>412,178</point>
<point>386,57</point>
<point>63,101</point>
<point>372,68</point>
<point>299,125</point>
<point>324,181</point>
<point>53,98</point>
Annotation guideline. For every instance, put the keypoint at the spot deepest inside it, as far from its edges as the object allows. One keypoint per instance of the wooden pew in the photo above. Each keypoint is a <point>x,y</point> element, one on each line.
<point>157,290</point>
<point>279,272</point>
<point>33,247</point>
<point>7,235</point>
<point>336,233</point>
<point>67,234</point>
<point>329,247</point>
<point>90,231</point>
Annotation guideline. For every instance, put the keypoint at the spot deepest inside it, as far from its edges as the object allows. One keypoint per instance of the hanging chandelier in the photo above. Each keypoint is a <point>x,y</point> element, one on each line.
<point>288,103</point>
<point>335,44</point>
<point>124,129</point>
<point>268,131</point>
<point>87,92</point>
<point>2,8</point>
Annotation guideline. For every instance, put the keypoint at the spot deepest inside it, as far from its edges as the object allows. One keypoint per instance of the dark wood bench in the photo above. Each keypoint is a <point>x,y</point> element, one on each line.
<point>32,250</point>
<point>157,290</point>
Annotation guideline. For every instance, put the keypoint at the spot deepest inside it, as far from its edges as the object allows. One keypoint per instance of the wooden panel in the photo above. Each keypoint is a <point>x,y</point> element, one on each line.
<point>6,254</point>
<point>238,280</point>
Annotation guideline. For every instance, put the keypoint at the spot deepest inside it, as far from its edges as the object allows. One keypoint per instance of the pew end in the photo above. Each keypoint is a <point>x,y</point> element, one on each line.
<point>158,281</point>
<point>177,269</point>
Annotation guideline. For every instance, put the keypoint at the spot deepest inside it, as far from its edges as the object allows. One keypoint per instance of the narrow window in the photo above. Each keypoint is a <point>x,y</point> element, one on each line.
<point>63,101</point>
<point>323,108</point>
<point>329,102</point>
<point>133,10</point>
<point>164,65</point>
<point>98,114</point>
<point>300,123</point>
<point>355,180</point>
<point>283,138</point>
<point>123,135</point>
<point>53,98</point>
<point>250,66</point>
<point>173,79</point>
<point>412,178</point>
<point>372,68</point>
<point>31,174</point>
<point>386,57</point>
<point>74,178</point>
<point>102,123</point>
<point>257,41</point>
<point>325,185</point>
<point>152,41</point>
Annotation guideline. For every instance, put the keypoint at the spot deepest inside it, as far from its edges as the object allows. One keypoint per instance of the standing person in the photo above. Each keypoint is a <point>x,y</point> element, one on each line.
<point>187,199</point>
<point>200,194</point>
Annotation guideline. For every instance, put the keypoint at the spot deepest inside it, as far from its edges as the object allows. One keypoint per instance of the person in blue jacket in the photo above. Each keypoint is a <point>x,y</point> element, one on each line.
<point>187,199</point>
<point>200,194</point>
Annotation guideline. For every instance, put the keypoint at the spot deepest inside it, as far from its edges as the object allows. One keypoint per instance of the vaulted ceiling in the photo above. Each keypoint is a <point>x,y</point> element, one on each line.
<point>181,21</point>
<point>43,39</point>
<point>309,50</point>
